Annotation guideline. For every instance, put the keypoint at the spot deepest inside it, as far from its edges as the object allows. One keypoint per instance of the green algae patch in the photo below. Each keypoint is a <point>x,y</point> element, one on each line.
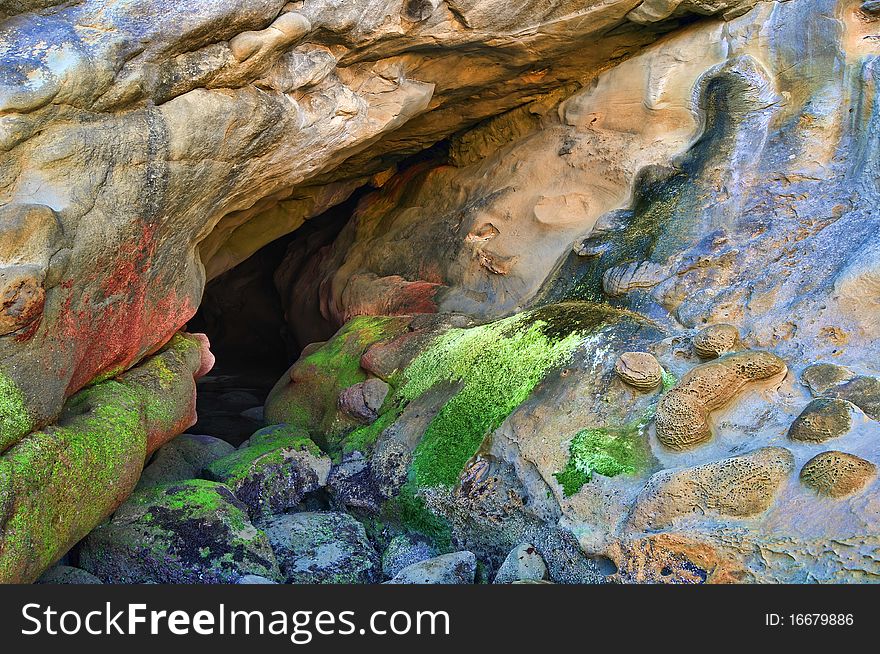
<point>283,434</point>
<point>497,365</point>
<point>194,531</point>
<point>363,438</point>
<point>610,451</point>
<point>237,466</point>
<point>409,509</point>
<point>62,482</point>
<point>58,484</point>
<point>306,397</point>
<point>494,367</point>
<point>606,452</point>
<point>15,420</point>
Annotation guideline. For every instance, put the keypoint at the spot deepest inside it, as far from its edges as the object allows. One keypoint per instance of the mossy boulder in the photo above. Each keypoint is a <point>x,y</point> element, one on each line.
<point>322,548</point>
<point>307,395</point>
<point>193,531</point>
<point>183,458</point>
<point>272,474</point>
<point>59,483</point>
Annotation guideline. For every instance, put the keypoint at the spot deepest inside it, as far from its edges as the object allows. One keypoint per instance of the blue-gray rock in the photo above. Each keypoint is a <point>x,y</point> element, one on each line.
<point>65,574</point>
<point>404,550</point>
<point>322,548</point>
<point>524,563</point>
<point>455,568</point>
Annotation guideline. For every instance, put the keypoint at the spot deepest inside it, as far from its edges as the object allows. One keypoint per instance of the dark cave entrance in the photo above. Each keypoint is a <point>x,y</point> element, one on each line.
<point>250,329</point>
<point>259,322</point>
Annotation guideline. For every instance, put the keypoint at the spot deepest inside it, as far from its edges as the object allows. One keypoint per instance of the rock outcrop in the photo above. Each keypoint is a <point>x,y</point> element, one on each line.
<point>602,279</point>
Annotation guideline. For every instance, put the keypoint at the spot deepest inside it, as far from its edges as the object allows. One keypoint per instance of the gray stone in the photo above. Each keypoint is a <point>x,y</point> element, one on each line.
<point>65,574</point>
<point>322,548</point>
<point>455,568</point>
<point>404,550</point>
<point>352,485</point>
<point>524,563</point>
<point>247,580</point>
<point>183,458</point>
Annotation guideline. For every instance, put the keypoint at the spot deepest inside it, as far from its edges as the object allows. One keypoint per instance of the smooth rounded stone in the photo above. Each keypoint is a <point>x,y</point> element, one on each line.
<point>523,564</point>
<point>404,550</point>
<point>238,400</point>
<point>819,377</point>
<point>837,474</point>
<point>190,532</point>
<point>639,369</point>
<point>65,574</point>
<point>715,340</point>
<point>183,458</point>
<point>273,474</point>
<point>253,580</point>
<point>256,414</point>
<point>455,568</point>
<point>822,419</point>
<point>322,548</point>
<point>863,391</point>
<point>363,401</point>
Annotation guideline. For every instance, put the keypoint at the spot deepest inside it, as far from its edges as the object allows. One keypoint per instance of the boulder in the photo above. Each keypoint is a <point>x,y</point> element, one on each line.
<point>322,548</point>
<point>185,532</point>
<point>185,457</point>
<point>455,568</point>
<point>523,564</point>
<point>403,550</point>
<point>272,474</point>
<point>65,574</point>
<point>363,401</point>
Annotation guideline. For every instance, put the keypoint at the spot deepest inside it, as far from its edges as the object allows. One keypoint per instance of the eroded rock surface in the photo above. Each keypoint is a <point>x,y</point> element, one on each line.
<point>543,189</point>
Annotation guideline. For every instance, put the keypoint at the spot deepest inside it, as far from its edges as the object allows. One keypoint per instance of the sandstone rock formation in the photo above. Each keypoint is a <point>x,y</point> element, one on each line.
<point>526,194</point>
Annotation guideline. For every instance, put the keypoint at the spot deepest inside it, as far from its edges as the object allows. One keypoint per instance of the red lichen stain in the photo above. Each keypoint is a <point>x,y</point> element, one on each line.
<point>367,295</point>
<point>115,335</point>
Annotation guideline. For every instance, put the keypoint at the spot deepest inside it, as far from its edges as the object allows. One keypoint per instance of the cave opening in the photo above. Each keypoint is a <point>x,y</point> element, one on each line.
<point>259,315</point>
<point>256,333</point>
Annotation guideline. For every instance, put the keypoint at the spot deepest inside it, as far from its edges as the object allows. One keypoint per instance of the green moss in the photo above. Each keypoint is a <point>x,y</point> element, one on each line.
<point>193,496</point>
<point>15,420</point>
<point>363,438</point>
<point>609,451</point>
<point>286,432</point>
<point>497,366</point>
<point>66,479</point>
<point>410,510</point>
<point>492,368</point>
<point>603,451</point>
<point>325,373</point>
<point>239,465</point>
<point>63,481</point>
